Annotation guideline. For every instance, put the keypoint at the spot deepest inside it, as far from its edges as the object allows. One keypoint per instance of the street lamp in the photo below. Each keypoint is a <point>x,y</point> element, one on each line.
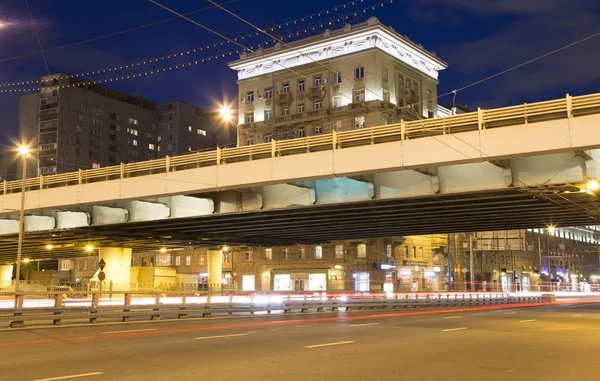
<point>227,116</point>
<point>593,185</point>
<point>24,153</point>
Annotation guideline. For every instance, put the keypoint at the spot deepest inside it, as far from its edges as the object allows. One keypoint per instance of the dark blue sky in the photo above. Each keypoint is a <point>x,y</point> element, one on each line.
<point>476,38</point>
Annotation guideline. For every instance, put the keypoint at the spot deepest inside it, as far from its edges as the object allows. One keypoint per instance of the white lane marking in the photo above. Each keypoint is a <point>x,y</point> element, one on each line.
<point>577,315</point>
<point>527,321</point>
<point>328,344</point>
<point>69,377</point>
<point>364,324</point>
<point>223,336</point>
<point>131,330</point>
<point>454,329</point>
<point>451,317</point>
<point>509,313</point>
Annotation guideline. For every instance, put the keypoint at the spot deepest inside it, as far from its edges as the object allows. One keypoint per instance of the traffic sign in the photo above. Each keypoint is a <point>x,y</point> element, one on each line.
<point>101,276</point>
<point>101,264</point>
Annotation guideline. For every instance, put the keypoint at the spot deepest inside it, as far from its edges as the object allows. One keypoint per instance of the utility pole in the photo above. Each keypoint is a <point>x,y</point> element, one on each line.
<point>471,265</point>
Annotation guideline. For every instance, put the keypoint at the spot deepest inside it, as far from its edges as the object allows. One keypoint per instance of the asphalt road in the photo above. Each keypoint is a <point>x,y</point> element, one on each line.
<point>557,342</point>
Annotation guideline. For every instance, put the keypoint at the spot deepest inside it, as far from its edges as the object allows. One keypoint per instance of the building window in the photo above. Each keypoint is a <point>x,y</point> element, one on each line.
<point>188,260</point>
<point>385,119</point>
<point>359,122</point>
<point>337,77</point>
<point>301,107</point>
<point>318,130</point>
<point>268,114</point>
<point>80,118</point>
<point>248,282</point>
<point>359,72</point>
<point>384,74</point>
<point>201,260</point>
<point>286,253</point>
<point>225,257</point>
<point>359,96</point>
<point>201,132</point>
<point>249,117</point>
<point>248,255</point>
<point>361,250</point>
<point>268,138</point>
<point>388,250</point>
<point>337,101</point>
<point>408,84</point>
<point>268,92</point>
<point>132,152</point>
<point>189,128</point>
<point>177,260</point>
<point>420,253</point>
<point>386,95</point>
<point>79,106</point>
<point>249,141</point>
<point>286,111</point>
<point>318,81</point>
<point>302,253</point>
<point>414,252</point>
<point>132,131</point>
<point>134,142</point>
<point>337,125</point>
<point>318,105</point>
<point>269,253</point>
<point>250,96</point>
<point>301,133</point>
<point>285,88</point>
<point>301,85</point>
<point>318,252</point>
<point>339,251</point>
<point>133,121</point>
<point>405,250</point>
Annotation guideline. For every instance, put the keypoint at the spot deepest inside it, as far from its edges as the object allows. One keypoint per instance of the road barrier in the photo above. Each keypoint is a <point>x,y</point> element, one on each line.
<point>94,308</point>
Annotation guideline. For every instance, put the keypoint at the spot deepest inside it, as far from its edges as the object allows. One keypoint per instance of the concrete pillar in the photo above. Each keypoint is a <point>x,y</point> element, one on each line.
<point>118,267</point>
<point>215,269</point>
<point>6,275</point>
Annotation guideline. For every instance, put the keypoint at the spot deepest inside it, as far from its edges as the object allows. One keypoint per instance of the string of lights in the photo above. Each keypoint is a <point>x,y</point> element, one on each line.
<point>307,30</point>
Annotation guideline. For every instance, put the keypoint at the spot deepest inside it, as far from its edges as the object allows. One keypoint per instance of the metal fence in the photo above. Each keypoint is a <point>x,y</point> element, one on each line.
<point>567,107</point>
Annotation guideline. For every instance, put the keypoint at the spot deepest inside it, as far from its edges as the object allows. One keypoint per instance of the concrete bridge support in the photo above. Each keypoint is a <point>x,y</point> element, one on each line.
<point>118,267</point>
<point>6,275</point>
<point>215,269</point>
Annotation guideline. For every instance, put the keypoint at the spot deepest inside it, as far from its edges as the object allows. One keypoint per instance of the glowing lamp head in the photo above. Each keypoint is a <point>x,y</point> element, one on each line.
<point>551,229</point>
<point>163,249</point>
<point>89,248</point>
<point>225,248</point>
<point>226,113</point>
<point>24,150</point>
<point>26,260</point>
<point>49,247</point>
<point>593,185</point>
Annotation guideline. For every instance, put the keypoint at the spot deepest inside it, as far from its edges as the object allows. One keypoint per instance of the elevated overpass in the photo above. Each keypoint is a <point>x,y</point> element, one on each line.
<point>514,167</point>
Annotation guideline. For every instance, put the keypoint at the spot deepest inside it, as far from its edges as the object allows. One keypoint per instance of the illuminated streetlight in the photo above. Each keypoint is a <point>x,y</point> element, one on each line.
<point>24,152</point>
<point>49,247</point>
<point>227,116</point>
<point>26,260</point>
<point>225,248</point>
<point>89,248</point>
<point>551,229</point>
<point>593,185</point>
<point>163,249</point>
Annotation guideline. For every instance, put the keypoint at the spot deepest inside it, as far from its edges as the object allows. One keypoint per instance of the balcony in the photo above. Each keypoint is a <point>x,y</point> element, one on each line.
<point>284,99</point>
<point>316,93</point>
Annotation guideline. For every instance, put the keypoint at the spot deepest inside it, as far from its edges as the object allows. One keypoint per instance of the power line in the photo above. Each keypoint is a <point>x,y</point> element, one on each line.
<point>37,36</point>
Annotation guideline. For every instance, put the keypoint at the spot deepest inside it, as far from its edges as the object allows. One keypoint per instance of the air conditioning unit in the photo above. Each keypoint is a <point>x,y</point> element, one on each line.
<point>324,80</point>
<point>260,96</point>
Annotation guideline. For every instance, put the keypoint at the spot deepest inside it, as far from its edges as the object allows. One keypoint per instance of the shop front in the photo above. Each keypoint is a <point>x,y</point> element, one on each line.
<point>300,282</point>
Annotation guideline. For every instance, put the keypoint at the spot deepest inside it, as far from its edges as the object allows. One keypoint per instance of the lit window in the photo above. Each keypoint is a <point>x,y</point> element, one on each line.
<point>301,107</point>
<point>318,130</point>
<point>248,255</point>
<point>201,260</point>
<point>286,253</point>
<point>301,85</point>
<point>359,72</point>
<point>250,96</point>
<point>337,77</point>
<point>249,117</point>
<point>414,252</point>
<point>178,261</point>
<point>268,114</point>
<point>359,96</point>
<point>318,105</point>
<point>189,128</point>
<point>302,253</point>
<point>268,92</point>
<point>339,251</point>
<point>269,253</point>
<point>248,282</point>
<point>386,95</point>
<point>318,252</point>
<point>359,122</point>
<point>188,260</point>
<point>361,250</point>
<point>201,132</point>
<point>134,142</point>
<point>337,101</point>
<point>388,250</point>
<point>384,74</point>
<point>337,125</point>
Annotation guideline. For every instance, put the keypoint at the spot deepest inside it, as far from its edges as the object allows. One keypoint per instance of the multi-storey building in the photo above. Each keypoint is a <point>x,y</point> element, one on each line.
<point>186,128</point>
<point>8,164</point>
<point>363,75</point>
<point>75,124</point>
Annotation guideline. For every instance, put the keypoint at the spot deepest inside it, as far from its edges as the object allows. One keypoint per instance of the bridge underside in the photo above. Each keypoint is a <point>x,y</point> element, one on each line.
<point>482,211</point>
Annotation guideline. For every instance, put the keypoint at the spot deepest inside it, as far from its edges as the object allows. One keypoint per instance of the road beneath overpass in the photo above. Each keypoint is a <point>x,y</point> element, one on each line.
<point>539,343</point>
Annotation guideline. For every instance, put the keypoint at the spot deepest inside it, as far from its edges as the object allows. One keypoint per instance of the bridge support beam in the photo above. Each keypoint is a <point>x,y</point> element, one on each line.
<point>215,270</point>
<point>6,275</point>
<point>118,267</point>
<point>473,177</point>
<point>238,201</point>
<point>186,206</point>
<point>405,184</point>
<point>38,223</point>
<point>67,220</point>
<point>339,189</point>
<point>9,226</point>
<point>554,169</point>
<point>284,195</point>
<point>104,215</point>
<point>146,211</point>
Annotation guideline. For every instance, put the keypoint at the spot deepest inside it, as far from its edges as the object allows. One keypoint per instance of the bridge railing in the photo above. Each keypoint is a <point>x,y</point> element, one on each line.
<point>568,107</point>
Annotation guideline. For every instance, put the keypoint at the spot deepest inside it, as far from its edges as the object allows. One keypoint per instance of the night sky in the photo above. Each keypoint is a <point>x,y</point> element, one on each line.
<point>476,38</point>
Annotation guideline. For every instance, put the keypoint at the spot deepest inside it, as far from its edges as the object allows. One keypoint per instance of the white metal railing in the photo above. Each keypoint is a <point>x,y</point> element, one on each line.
<point>568,107</point>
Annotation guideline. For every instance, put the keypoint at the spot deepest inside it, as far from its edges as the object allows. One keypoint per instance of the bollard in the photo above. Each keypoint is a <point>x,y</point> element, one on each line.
<point>156,308</point>
<point>126,308</point>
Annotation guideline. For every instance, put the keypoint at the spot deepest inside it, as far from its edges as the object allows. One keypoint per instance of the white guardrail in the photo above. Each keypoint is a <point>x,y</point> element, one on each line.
<point>123,306</point>
<point>567,107</point>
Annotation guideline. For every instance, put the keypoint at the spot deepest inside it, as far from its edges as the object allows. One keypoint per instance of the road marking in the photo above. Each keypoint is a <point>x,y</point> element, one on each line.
<point>577,315</point>
<point>131,330</point>
<point>364,324</point>
<point>223,336</point>
<point>328,344</point>
<point>454,329</point>
<point>527,321</point>
<point>71,376</point>
<point>451,317</point>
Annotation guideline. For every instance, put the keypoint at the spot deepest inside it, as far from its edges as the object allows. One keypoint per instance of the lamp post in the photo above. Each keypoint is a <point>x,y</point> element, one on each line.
<point>228,117</point>
<point>24,153</point>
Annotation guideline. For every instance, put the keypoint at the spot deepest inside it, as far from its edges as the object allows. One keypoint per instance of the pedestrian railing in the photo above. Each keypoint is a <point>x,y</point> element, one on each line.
<point>568,107</point>
<point>123,307</point>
